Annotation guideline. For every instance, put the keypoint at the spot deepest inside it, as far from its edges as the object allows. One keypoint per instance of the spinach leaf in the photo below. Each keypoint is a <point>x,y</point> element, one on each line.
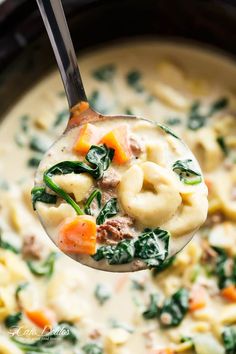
<point>153,309</point>
<point>138,285</point>
<point>116,324</point>
<point>174,308</point>
<point>38,144</point>
<point>173,121</point>
<point>229,340</point>
<point>99,159</point>
<point>168,130</point>
<point>186,173</point>
<point>102,293</point>
<point>151,247</point>
<point>133,80</point>
<point>92,348</point>
<point>109,209</point>
<point>61,333</point>
<point>61,117</point>
<point>225,268</point>
<point>221,141</point>
<point>25,123</point>
<point>7,246</point>
<point>163,266</point>
<point>196,120</point>
<point>34,161</point>
<point>44,269</point>
<point>96,194</point>
<point>39,194</point>
<point>98,103</point>
<point>12,320</point>
<point>19,288</point>
<point>218,105</point>
<point>105,73</point>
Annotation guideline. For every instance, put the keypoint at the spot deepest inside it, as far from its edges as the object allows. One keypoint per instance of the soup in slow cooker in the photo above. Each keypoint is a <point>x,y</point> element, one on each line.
<point>51,304</point>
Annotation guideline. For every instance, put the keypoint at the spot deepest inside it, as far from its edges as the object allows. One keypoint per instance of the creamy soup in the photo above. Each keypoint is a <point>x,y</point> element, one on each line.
<point>127,194</point>
<point>188,305</point>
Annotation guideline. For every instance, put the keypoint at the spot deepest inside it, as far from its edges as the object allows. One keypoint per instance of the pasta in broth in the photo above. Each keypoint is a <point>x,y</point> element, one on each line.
<point>135,194</point>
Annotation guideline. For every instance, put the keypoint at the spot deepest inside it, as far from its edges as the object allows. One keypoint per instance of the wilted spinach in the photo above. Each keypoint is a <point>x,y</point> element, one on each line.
<point>151,247</point>
<point>43,269</point>
<point>34,161</point>
<point>7,246</point>
<point>163,266</point>
<point>102,293</point>
<point>12,320</point>
<point>168,130</point>
<point>153,310</point>
<point>229,339</point>
<point>92,348</point>
<point>38,144</point>
<point>96,163</point>
<point>133,79</point>
<point>39,194</point>
<point>225,268</point>
<point>186,173</point>
<point>105,73</point>
<point>109,209</point>
<point>218,105</point>
<point>61,117</point>
<point>221,141</point>
<point>175,307</point>
<point>96,194</point>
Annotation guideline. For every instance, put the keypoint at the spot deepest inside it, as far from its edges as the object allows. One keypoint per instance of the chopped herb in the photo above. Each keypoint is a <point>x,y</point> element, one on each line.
<point>195,119</point>
<point>186,173</point>
<point>99,159</point>
<point>128,111</point>
<point>61,333</point>
<point>151,247</point>
<point>174,308</point>
<point>92,348</point>
<point>34,161</point>
<point>38,144</point>
<point>229,340</point>
<point>25,123</point>
<point>7,246</point>
<point>12,320</point>
<point>225,268</point>
<point>96,194</point>
<point>173,121</point>
<point>163,266</point>
<point>102,293</point>
<point>105,73</point>
<point>39,194</point>
<point>153,309</point>
<point>61,117</point>
<point>133,80</point>
<point>20,140</point>
<point>221,141</point>
<point>218,105</point>
<point>109,209</point>
<point>185,339</point>
<point>97,102</point>
<point>44,269</point>
<point>168,130</point>
<point>19,288</point>
<point>138,285</point>
<point>115,324</point>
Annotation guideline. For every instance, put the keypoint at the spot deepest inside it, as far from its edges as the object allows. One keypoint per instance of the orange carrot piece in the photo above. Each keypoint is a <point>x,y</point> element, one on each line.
<point>117,139</point>
<point>89,135</point>
<point>43,318</point>
<point>78,235</point>
<point>197,300</point>
<point>229,293</point>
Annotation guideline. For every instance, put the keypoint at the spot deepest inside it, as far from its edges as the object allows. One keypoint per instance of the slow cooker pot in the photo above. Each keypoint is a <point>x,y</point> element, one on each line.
<point>25,53</point>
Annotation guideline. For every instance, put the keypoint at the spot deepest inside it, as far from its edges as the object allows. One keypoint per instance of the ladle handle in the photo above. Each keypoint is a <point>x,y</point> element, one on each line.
<point>58,32</point>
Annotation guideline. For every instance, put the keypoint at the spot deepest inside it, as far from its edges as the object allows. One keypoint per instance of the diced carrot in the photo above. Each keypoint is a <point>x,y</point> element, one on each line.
<point>43,318</point>
<point>118,140</point>
<point>89,135</point>
<point>229,293</point>
<point>78,235</point>
<point>197,300</point>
